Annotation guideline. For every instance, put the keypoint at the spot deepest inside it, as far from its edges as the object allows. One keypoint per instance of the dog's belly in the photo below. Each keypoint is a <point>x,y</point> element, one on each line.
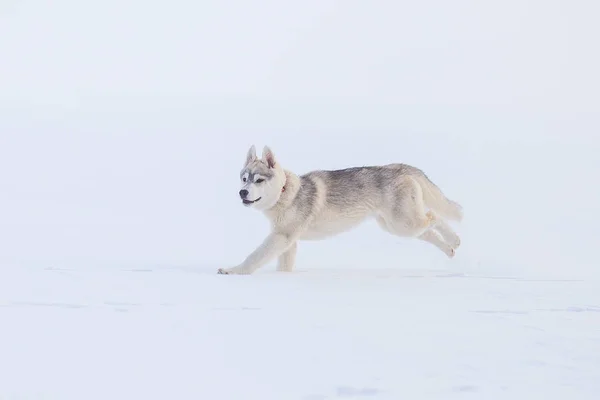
<point>332,225</point>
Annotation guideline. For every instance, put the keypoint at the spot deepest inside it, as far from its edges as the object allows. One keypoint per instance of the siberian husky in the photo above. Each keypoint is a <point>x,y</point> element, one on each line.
<point>323,203</point>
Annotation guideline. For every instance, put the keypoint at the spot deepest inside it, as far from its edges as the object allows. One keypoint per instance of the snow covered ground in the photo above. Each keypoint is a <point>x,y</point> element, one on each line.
<point>123,127</point>
<point>186,333</point>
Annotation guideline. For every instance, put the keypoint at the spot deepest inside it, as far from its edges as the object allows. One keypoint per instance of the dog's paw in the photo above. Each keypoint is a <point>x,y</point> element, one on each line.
<point>231,271</point>
<point>448,250</point>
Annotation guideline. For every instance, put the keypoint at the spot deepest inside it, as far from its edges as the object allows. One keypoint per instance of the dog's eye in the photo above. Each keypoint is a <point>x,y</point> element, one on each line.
<point>244,179</point>
<point>260,180</point>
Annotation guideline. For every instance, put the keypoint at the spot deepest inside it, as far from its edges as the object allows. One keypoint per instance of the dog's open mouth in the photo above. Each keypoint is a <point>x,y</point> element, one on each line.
<point>250,201</point>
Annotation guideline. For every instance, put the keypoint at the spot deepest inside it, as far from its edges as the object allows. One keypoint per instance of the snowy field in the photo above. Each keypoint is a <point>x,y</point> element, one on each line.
<point>184,333</point>
<point>389,330</point>
<point>123,128</point>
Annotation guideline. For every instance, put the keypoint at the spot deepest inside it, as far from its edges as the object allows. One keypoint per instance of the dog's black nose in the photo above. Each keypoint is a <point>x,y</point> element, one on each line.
<point>243,193</point>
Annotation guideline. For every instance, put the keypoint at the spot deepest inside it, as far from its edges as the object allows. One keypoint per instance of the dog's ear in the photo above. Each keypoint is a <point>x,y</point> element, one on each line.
<point>268,156</point>
<point>251,155</point>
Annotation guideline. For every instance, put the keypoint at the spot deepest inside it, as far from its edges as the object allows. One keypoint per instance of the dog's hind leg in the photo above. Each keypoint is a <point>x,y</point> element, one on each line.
<point>447,233</point>
<point>404,214</point>
<point>434,237</point>
<point>286,261</point>
<point>429,235</point>
<point>406,217</point>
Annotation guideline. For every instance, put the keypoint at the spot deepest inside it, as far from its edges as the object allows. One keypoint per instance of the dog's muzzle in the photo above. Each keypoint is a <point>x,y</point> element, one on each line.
<point>244,195</point>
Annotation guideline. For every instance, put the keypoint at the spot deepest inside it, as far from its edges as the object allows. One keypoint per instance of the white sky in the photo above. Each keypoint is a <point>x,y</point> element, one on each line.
<point>123,124</point>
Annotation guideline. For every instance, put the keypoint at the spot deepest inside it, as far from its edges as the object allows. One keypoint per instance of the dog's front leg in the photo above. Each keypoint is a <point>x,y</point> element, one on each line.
<point>273,246</point>
<point>286,260</point>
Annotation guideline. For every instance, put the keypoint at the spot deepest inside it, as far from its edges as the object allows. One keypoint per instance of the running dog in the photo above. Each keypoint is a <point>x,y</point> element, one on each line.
<point>323,203</point>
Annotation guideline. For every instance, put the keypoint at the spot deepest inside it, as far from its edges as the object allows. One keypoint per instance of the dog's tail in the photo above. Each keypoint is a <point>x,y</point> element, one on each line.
<point>435,199</point>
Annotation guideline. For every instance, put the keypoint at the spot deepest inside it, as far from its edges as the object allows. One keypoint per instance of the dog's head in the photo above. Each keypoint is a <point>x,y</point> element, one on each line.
<point>262,180</point>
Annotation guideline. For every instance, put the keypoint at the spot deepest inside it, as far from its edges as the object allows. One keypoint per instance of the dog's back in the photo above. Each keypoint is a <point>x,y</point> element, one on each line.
<point>338,200</point>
